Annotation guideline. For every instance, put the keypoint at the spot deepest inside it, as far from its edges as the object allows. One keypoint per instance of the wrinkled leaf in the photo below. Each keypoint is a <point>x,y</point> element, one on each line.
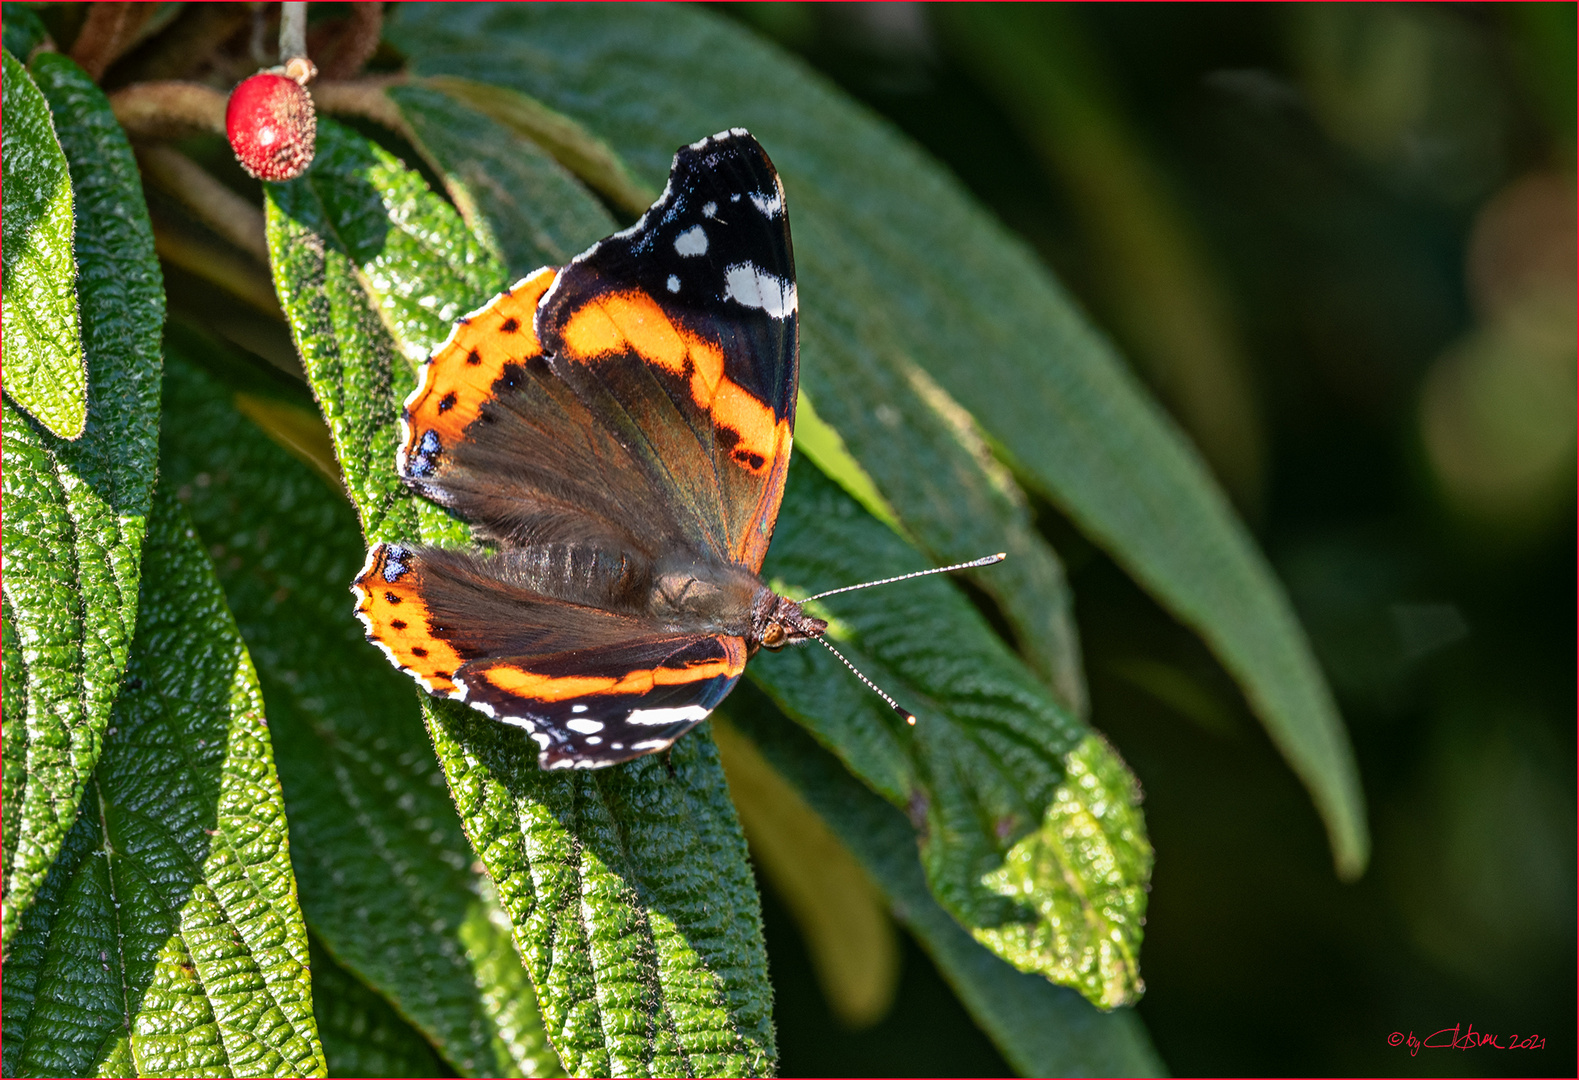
<point>991,772</point>
<point>43,345</point>
<point>167,939</point>
<point>940,285</point>
<point>1084,871</point>
<point>362,1035</point>
<point>386,879</point>
<point>628,891</point>
<point>1042,1029</point>
<point>75,511</point>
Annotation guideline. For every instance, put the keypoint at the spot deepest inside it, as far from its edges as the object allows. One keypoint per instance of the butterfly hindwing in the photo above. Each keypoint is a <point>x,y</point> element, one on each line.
<point>591,686</point>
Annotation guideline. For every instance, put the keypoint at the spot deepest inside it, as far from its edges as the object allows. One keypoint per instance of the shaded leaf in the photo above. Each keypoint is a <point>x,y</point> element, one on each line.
<point>990,774</point>
<point>75,510</point>
<point>1042,1029</point>
<point>362,1035</point>
<point>386,881</point>
<point>166,939</point>
<point>23,30</point>
<point>1155,276</point>
<point>842,916</point>
<point>628,891</point>
<point>512,194</point>
<point>43,355</point>
<point>569,143</point>
<point>951,291</point>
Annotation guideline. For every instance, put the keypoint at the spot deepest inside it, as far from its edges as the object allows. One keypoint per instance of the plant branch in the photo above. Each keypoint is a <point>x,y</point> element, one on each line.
<point>211,202</point>
<point>169,109</point>
<point>293,30</point>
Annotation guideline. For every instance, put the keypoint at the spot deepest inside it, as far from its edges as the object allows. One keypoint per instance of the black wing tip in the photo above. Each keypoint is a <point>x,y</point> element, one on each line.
<point>732,142</point>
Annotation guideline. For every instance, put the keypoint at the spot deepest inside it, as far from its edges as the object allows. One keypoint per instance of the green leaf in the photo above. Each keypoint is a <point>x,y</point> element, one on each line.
<point>23,30</point>
<point>166,939</point>
<point>1042,1029</point>
<point>362,1035</point>
<point>628,891</point>
<point>521,202</point>
<point>1084,871</point>
<point>888,242</point>
<point>385,882</point>
<point>44,368</point>
<point>567,142</point>
<point>75,510</point>
<point>1046,866</point>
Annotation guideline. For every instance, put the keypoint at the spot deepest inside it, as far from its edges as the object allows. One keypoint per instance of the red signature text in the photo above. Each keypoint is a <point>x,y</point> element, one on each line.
<point>1458,1037</point>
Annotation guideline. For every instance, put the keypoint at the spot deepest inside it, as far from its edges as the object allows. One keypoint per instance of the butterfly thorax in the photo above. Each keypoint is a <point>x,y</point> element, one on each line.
<point>700,595</point>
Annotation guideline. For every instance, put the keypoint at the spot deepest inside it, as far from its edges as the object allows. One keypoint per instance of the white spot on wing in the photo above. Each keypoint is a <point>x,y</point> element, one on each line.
<point>652,744</point>
<point>584,727</point>
<point>685,714</point>
<point>692,241</point>
<point>578,708</point>
<point>710,209</point>
<point>751,286</point>
<point>770,205</point>
<point>673,283</point>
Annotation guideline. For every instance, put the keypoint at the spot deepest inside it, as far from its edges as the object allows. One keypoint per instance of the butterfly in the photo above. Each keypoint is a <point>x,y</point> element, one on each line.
<point>617,434</point>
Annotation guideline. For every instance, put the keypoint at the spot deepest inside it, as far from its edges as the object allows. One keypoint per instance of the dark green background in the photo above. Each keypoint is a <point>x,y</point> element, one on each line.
<point>1346,278</point>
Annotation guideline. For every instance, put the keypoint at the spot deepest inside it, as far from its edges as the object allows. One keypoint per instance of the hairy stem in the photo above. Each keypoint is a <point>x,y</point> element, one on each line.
<point>169,109</point>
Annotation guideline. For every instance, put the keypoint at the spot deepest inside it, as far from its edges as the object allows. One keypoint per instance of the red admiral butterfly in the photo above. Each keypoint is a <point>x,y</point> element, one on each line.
<point>619,432</point>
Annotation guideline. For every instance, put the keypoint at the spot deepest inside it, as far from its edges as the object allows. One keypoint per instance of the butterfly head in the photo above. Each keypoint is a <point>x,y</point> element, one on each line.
<point>777,621</point>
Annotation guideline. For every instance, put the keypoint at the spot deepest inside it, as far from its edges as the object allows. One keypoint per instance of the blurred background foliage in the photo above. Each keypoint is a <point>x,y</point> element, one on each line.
<point>1339,241</point>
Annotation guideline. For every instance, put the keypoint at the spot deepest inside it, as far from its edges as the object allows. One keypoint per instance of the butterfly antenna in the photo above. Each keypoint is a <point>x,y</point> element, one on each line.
<point>985,561</point>
<point>910,717</point>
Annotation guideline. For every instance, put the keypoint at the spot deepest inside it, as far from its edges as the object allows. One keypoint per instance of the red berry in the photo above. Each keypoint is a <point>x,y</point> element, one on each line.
<point>271,125</point>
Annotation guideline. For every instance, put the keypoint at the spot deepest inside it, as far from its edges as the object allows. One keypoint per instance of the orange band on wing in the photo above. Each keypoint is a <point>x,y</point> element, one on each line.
<point>397,621</point>
<point>530,684</point>
<point>634,321</point>
<point>460,374</point>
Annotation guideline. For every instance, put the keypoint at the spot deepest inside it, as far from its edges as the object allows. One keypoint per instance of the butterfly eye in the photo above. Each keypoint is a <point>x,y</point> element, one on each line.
<point>774,636</point>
